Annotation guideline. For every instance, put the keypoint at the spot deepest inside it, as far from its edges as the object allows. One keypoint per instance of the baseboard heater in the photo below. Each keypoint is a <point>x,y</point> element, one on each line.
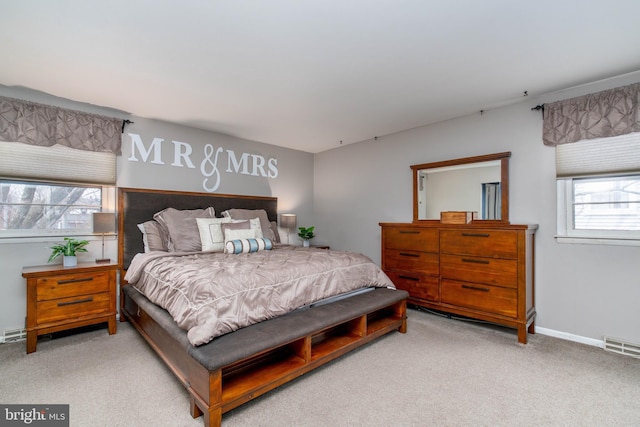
<point>13,335</point>
<point>617,345</point>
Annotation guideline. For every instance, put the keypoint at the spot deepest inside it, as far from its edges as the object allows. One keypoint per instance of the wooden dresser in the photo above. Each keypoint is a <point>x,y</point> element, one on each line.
<point>60,298</point>
<point>478,270</point>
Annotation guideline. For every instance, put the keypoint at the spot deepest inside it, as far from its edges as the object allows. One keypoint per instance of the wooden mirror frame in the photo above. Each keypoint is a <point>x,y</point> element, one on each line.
<point>504,181</point>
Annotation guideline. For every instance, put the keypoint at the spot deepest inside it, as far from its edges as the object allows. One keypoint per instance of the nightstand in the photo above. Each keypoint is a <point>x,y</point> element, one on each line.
<point>61,298</point>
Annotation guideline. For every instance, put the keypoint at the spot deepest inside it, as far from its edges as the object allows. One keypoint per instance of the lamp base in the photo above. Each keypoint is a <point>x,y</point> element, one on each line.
<point>103,261</point>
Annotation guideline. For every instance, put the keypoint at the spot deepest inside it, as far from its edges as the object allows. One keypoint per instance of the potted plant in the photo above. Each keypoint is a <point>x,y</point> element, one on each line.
<point>306,234</point>
<point>68,251</point>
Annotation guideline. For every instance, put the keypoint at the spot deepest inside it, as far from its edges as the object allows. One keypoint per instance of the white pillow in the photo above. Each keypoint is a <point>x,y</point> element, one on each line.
<point>246,214</point>
<point>211,235</point>
<point>239,235</point>
<point>255,225</point>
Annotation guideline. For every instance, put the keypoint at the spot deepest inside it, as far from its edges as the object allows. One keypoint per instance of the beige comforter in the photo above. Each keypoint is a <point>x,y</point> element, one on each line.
<point>211,294</point>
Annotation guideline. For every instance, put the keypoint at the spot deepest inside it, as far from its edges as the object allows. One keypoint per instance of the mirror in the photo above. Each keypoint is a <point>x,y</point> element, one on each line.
<point>473,184</point>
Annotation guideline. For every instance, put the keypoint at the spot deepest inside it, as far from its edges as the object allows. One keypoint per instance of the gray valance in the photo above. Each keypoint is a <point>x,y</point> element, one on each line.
<point>45,125</point>
<point>603,114</point>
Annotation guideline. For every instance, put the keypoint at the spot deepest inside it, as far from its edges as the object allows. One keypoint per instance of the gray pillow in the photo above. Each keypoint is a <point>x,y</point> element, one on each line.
<point>182,227</point>
<point>246,214</point>
<point>154,236</point>
<point>276,233</point>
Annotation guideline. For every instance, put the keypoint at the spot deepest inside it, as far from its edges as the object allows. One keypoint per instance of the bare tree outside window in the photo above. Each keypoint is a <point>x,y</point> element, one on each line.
<point>46,208</point>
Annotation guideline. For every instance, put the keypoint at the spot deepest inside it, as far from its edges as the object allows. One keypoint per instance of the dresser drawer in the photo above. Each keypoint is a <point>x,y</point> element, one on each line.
<point>418,285</point>
<point>499,272</point>
<point>483,297</point>
<point>66,285</point>
<point>484,243</point>
<point>65,308</point>
<point>395,259</point>
<point>411,239</point>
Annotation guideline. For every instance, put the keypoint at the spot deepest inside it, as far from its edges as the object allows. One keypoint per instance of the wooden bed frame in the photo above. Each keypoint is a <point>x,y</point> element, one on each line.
<point>270,353</point>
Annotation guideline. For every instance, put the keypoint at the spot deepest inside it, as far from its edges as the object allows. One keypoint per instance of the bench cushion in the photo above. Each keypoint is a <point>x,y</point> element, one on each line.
<point>248,341</point>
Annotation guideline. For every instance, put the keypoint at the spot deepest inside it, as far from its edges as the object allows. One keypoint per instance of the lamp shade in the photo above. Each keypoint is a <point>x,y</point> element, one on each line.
<point>104,222</point>
<point>288,221</point>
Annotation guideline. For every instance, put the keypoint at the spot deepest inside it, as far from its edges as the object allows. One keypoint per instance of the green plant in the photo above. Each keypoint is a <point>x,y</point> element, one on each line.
<point>69,248</point>
<point>306,233</point>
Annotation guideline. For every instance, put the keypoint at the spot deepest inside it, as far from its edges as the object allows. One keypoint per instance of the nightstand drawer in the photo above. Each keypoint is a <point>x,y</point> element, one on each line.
<point>76,306</point>
<point>491,299</point>
<point>67,285</point>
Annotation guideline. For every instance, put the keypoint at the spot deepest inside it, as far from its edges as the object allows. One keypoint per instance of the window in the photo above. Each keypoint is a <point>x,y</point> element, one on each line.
<point>602,207</point>
<point>599,205</point>
<point>47,191</point>
<point>491,200</point>
<point>43,209</point>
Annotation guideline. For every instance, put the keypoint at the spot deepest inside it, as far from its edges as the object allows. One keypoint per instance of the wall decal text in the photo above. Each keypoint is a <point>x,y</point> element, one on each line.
<point>244,164</point>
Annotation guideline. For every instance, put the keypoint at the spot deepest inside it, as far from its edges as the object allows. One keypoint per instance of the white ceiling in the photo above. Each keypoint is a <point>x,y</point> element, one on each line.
<point>307,74</point>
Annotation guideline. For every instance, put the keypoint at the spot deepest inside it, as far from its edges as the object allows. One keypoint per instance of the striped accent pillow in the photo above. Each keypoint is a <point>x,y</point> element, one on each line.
<point>243,246</point>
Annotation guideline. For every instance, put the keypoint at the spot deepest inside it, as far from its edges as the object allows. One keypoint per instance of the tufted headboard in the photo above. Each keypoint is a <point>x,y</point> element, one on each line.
<point>137,205</point>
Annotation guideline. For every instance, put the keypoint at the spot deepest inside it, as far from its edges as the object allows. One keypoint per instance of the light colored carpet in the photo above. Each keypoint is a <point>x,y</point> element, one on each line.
<point>443,372</point>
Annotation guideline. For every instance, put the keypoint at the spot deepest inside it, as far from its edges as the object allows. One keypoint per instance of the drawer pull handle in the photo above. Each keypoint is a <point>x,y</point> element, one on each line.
<point>406,254</point>
<point>408,232</point>
<point>415,279</point>
<point>475,288</point>
<point>476,261</point>
<point>81,279</point>
<point>475,234</point>
<point>80,301</point>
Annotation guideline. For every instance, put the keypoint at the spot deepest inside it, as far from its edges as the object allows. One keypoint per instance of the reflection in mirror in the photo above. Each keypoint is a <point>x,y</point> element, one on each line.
<point>472,184</point>
<point>473,187</point>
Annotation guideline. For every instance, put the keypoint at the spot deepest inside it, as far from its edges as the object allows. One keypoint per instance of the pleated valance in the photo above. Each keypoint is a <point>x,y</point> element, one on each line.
<point>599,115</point>
<point>45,125</point>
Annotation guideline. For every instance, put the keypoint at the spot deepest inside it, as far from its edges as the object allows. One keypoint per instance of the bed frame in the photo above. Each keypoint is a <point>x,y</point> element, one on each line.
<point>237,367</point>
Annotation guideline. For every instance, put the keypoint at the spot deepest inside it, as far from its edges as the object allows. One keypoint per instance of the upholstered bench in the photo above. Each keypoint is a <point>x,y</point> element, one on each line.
<point>234,368</point>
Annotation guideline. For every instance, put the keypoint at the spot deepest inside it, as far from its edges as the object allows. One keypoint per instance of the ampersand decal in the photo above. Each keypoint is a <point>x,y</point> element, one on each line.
<point>208,153</point>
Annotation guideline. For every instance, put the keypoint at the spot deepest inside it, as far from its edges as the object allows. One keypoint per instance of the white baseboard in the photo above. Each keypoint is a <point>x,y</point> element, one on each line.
<point>570,337</point>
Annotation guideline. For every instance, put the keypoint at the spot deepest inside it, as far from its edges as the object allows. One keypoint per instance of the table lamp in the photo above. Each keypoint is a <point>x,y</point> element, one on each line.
<point>103,223</point>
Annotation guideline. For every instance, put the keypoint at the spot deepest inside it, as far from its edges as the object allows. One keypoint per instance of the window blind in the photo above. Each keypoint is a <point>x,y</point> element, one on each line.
<point>613,155</point>
<point>56,163</point>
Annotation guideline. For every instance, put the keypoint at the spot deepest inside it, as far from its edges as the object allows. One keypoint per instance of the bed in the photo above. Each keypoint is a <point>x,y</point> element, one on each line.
<point>234,360</point>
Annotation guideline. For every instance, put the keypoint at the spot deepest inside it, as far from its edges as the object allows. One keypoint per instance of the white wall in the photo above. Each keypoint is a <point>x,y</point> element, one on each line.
<point>293,187</point>
<point>584,290</point>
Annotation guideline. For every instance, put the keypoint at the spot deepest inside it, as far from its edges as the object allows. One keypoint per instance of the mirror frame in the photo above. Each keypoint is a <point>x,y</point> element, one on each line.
<point>504,181</point>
